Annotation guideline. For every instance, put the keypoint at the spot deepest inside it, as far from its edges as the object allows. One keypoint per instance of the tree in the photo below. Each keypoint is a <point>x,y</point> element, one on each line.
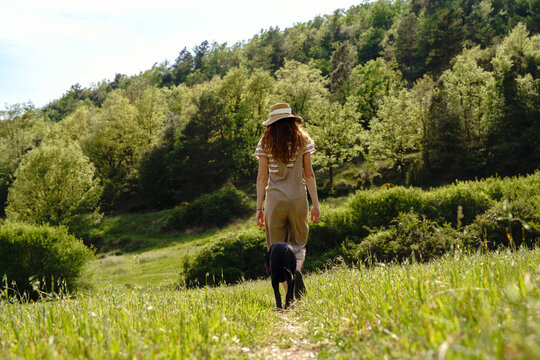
<point>114,145</point>
<point>369,84</point>
<point>343,61</point>
<point>515,141</point>
<point>200,161</point>
<point>182,67</point>
<point>401,46</point>
<point>336,136</point>
<point>75,126</point>
<point>399,130</point>
<point>441,34</point>
<point>151,107</point>
<point>22,128</point>
<point>54,184</point>
<point>473,99</point>
<point>301,86</point>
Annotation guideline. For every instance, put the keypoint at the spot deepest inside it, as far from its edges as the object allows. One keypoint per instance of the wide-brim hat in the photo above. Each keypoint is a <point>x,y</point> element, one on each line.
<point>277,112</point>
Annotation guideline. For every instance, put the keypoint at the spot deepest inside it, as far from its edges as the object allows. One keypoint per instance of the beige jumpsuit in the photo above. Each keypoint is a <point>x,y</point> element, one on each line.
<point>286,207</point>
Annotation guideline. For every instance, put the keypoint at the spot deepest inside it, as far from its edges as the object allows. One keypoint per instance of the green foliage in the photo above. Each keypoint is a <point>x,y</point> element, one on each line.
<point>22,128</point>
<point>409,237</point>
<point>302,86</point>
<point>39,259</point>
<point>515,140</point>
<point>114,147</point>
<point>401,45</point>
<point>336,136</point>
<point>444,90</point>
<point>399,224</point>
<point>343,61</point>
<point>54,184</point>
<point>508,224</point>
<point>215,209</point>
<point>230,259</point>
<point>399,130</point>
<point>369,84</point>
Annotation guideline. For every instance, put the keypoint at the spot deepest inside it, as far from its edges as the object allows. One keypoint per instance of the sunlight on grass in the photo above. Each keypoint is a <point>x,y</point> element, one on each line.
<point>461,306</point>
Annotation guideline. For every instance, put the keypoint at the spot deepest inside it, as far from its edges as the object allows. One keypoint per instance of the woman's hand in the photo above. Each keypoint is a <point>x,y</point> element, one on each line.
<point>315,214</point>
<point>260,218</point>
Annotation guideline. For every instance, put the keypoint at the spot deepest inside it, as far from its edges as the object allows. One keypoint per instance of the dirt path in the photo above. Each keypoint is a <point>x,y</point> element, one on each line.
<point>288,340</point>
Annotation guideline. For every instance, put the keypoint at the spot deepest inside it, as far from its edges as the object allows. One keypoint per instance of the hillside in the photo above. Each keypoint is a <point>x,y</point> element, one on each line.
<point>414,93</point>
<point>127,208</point>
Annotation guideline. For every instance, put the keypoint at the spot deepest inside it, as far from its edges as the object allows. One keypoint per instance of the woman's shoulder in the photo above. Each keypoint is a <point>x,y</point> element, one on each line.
<point>309,144</point>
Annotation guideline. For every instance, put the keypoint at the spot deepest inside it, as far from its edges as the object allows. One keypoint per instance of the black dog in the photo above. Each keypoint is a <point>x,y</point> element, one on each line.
<point>281,263</point>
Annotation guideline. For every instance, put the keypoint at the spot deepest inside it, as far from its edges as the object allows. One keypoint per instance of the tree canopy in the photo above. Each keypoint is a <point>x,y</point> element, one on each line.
<point>449,89</point>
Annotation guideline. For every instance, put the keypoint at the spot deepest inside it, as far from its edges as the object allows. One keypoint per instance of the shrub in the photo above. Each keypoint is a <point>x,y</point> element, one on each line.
<point>396,224</point>
<point>327,235</point>
<point>376,208</point>
<point>513,224</point>
<point>211,210</point>
<point>230,259</point>
<point>444,202</point>
<point>47,254</point>
<point>408,237</point>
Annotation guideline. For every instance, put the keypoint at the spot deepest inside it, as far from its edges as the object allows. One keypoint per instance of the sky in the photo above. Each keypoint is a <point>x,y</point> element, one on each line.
<point>47,46</point>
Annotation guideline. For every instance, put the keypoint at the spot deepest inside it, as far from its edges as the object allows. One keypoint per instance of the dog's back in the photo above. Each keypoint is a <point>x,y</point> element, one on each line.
<point>282,266</point>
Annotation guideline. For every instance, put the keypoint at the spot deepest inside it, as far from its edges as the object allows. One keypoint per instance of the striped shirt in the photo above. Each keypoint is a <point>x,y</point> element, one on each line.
<point>272,165</point>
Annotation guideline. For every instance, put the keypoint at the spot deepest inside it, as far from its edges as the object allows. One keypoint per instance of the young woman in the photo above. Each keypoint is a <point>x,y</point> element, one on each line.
<point>284,154</point>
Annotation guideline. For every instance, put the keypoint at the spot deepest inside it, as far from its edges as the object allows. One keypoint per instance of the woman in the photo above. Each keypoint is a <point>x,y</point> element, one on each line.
<point>284,154</point>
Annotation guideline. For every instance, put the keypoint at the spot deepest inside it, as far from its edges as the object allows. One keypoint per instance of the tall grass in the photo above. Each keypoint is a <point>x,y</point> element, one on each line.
<point>479,307</point>
<point>475,306</point>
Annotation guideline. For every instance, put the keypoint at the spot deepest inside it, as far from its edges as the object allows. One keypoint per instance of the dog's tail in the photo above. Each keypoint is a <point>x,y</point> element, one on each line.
<point>290,276</point>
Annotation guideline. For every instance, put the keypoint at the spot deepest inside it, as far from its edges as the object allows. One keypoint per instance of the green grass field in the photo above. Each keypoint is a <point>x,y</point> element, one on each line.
<point>157,256</point>
<point>476,306</point>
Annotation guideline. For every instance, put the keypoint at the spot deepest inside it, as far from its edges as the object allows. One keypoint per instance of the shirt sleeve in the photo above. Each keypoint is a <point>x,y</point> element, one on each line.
<point>259,151</point>
<point>310,148</point>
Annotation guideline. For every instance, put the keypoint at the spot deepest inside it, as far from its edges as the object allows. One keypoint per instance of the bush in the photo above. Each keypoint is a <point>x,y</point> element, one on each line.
<point>395,224</point>
<point>230,259</point>
<point>513,224</point>
<point>211,210</point>
<point>376,208</point>
<point>408,237</point>
<point>43,253</point>
<point>327,235</point>
<point>442,204</point>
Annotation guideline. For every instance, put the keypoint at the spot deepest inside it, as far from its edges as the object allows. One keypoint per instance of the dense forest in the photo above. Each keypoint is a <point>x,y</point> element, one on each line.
<point>414,92</point>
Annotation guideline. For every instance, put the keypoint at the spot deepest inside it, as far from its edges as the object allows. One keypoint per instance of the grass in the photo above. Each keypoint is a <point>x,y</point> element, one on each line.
<point>461,306</point>
<point>479,306</point>
<point>151,256</point>
<point>156,263</point>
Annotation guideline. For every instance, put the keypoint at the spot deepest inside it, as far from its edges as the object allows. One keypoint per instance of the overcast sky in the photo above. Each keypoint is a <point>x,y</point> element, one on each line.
<point>48,45</point>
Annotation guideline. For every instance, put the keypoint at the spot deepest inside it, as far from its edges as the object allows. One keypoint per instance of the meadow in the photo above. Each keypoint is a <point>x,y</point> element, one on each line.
<point>460,306</point>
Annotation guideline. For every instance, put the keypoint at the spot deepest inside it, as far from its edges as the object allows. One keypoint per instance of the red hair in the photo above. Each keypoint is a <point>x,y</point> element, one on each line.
<point>284,138</point>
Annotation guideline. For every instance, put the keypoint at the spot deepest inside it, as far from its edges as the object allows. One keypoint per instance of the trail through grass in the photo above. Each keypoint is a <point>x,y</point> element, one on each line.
<point>459,307</point>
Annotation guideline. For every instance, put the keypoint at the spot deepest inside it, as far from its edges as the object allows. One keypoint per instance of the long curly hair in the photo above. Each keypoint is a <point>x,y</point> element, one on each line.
<point>284,138</point>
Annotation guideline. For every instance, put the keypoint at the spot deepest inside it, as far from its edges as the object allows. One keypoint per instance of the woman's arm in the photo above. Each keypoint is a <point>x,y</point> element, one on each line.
<point>262,181</point>
<point>309,177</point>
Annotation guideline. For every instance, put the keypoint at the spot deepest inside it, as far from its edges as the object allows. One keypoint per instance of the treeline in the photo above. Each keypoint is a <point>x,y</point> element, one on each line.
<point>434,90</point>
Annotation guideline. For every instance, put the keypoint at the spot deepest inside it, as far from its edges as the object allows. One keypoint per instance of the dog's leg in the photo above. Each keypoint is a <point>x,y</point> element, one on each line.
<point>290,293</point>
<point>275,285</point>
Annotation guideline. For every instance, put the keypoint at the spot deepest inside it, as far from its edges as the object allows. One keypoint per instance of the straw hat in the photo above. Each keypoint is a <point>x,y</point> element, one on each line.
<point>277,112</point>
